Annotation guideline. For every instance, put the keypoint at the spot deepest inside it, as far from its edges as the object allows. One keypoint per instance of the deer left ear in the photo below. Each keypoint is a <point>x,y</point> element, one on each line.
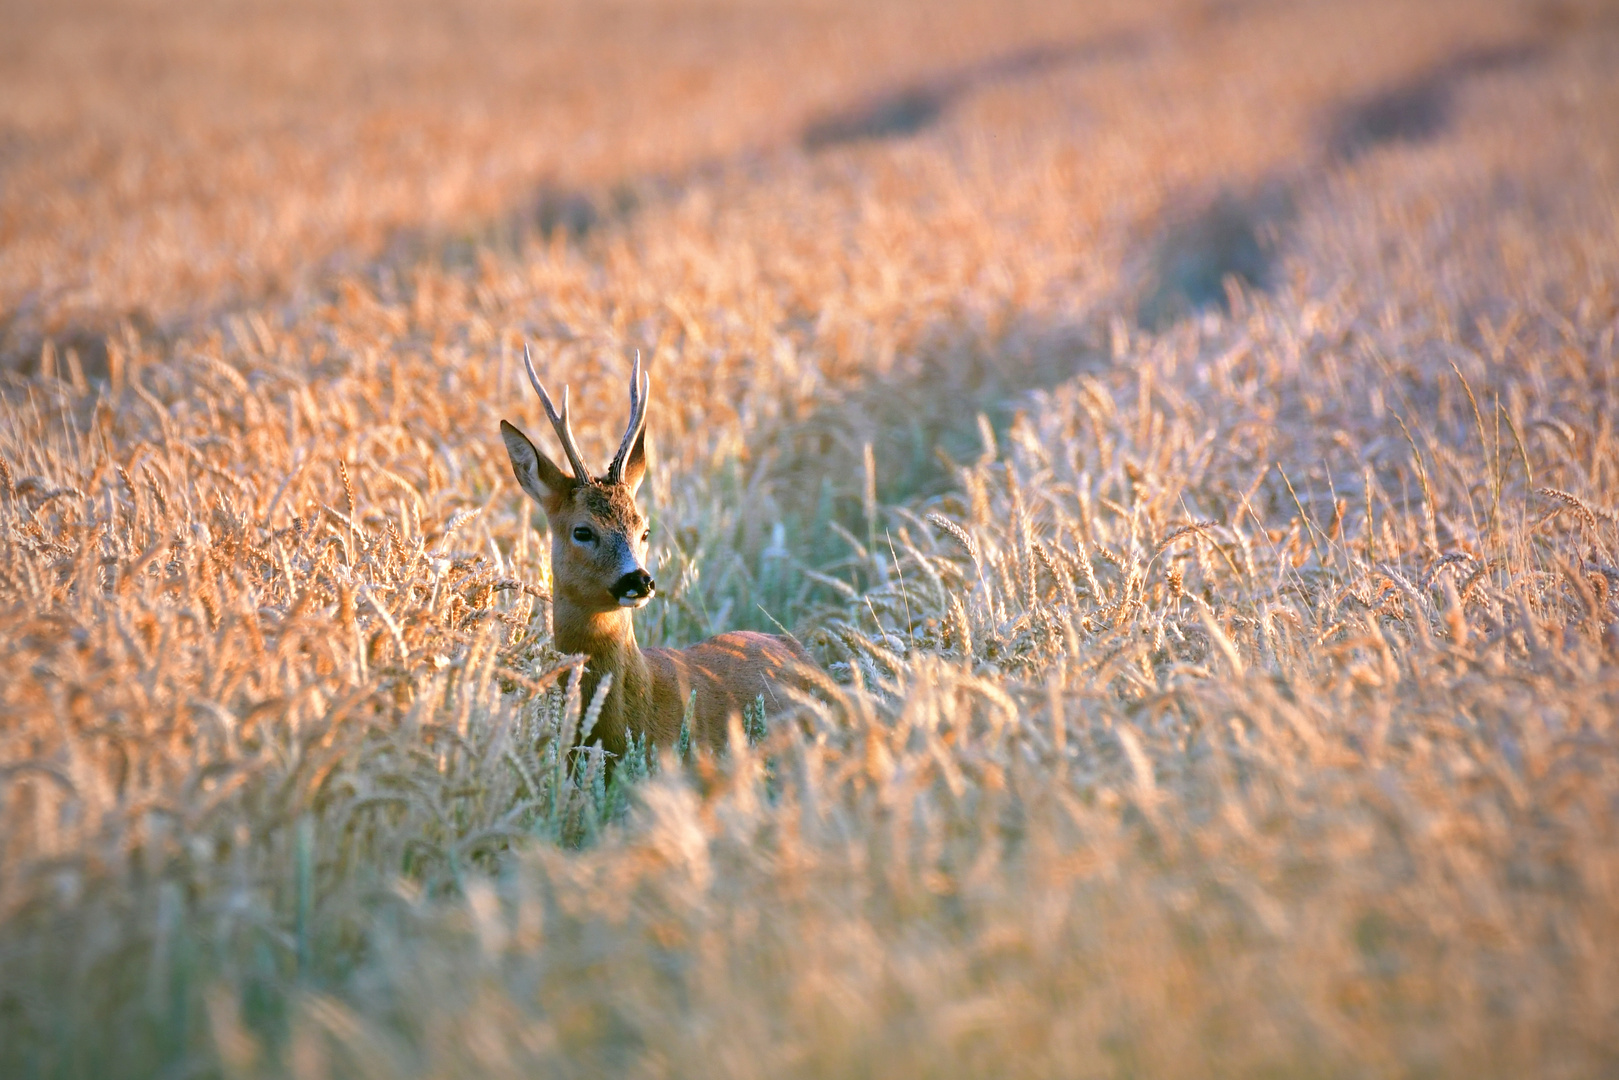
<point>635,464</point>
<point>536,475</point>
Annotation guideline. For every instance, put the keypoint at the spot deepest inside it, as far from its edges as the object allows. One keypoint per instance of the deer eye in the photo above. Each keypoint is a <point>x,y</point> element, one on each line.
<point>645,533</point>
<point>583,535</point>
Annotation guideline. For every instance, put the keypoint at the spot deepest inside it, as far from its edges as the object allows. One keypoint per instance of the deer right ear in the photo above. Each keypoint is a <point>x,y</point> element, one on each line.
<point>544,482</point>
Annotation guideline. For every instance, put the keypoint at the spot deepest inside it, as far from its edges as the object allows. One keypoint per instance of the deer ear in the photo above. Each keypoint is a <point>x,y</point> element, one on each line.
<point>635,464</point>
<point>544,482</point>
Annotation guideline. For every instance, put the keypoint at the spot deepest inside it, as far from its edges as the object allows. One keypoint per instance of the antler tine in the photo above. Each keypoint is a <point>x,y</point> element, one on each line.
<point>640,394</point>
<point>559,421</point>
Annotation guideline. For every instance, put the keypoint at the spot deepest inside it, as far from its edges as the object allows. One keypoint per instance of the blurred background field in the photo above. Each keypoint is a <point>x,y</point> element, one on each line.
<point>1183,431</point>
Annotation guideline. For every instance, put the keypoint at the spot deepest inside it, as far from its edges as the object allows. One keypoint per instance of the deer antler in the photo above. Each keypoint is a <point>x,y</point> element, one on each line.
<point>640,393</point>
<point>558,421</point>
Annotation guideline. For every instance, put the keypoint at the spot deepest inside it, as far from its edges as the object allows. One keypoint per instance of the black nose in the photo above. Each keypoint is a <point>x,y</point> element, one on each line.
<point>634,585</point>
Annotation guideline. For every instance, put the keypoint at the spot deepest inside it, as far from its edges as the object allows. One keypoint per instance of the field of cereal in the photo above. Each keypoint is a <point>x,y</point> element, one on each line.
<point>1184,432</point>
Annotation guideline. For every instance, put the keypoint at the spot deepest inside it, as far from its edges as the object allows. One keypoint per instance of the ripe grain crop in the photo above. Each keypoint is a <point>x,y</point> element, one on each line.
<point>1184,435</point>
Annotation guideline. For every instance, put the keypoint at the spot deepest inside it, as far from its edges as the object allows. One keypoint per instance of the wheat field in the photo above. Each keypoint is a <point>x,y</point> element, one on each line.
<point>1183,432</point>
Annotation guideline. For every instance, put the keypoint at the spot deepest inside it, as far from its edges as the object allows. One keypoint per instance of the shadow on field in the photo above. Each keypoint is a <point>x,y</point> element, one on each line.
<point>907,110</point>
<point>1201,243</point>
<point>921,419</point>
<point>76,350</point>
<point>576,214</point>
<point>1419,109</point>
<point>554,210</point>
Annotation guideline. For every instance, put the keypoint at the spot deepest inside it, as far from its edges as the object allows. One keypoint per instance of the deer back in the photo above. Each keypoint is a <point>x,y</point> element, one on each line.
<point>728,672</point>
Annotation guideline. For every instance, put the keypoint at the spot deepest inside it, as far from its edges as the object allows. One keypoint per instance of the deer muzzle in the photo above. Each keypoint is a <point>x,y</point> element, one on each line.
<point>634,589</point>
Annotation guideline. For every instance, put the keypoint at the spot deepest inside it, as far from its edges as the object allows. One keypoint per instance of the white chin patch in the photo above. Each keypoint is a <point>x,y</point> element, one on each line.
<point>634,601</point>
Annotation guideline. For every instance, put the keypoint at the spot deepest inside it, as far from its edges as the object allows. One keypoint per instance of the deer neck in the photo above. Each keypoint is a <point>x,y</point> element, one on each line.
<point>608,639</point>
<point>601,634</point>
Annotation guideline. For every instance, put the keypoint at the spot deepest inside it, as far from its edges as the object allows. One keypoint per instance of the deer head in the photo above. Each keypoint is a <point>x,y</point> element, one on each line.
<point>598,537</point>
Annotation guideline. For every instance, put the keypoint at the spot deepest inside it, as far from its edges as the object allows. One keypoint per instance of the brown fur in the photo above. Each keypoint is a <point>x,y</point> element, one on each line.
<point>651,687</point>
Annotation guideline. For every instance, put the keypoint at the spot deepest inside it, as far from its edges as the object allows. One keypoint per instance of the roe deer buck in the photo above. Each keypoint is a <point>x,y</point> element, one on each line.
<point>599,576</point>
